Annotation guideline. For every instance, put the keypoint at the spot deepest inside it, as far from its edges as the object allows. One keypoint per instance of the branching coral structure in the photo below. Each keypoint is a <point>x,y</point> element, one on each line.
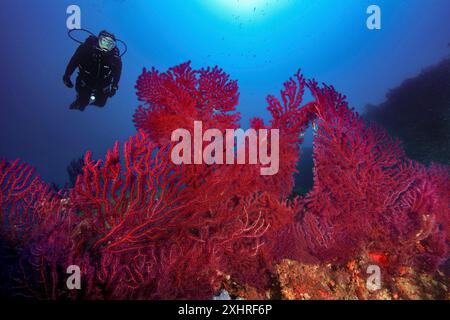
<point>141,227</point>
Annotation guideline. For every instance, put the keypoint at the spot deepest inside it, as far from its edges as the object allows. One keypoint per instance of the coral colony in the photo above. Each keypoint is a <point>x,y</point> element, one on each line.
<point>140,226</point>
<point>214,152</point>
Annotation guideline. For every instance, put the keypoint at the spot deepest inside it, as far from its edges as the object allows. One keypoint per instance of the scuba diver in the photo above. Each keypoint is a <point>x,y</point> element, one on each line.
<point>100,66</point>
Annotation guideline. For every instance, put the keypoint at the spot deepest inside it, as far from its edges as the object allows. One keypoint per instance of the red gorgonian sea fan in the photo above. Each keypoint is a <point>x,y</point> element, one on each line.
<point>141,227</point>
<point>368,196</point>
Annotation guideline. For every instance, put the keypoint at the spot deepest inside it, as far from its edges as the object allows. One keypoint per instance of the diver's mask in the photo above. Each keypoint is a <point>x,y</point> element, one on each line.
<point>106,42</point>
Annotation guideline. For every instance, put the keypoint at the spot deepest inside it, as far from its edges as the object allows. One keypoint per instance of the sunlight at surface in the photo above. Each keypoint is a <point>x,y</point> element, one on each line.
<point>258,9</point>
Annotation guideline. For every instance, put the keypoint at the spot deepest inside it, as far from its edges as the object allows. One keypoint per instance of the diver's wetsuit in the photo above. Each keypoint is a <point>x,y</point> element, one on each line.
<point>99,73</point>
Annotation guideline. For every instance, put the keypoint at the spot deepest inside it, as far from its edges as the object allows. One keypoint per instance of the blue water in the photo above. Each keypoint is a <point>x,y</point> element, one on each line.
<point>260,43</point>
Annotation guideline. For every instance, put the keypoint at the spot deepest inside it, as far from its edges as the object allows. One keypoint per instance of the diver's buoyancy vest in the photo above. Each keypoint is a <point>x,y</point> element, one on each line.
<point>96,68</point>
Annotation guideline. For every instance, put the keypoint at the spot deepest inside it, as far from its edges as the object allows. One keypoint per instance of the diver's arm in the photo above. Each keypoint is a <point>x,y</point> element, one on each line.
<point>74,62</point>
<point>117,73</point>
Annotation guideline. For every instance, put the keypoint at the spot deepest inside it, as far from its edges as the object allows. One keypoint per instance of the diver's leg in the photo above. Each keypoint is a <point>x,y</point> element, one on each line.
<point>83,96</point>
<point>100,99</point>
<point>101,96</point>
<point>81,102</point>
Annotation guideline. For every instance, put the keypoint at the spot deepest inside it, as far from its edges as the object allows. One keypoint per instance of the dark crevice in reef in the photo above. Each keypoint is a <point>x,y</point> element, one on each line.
<point>303,179</point>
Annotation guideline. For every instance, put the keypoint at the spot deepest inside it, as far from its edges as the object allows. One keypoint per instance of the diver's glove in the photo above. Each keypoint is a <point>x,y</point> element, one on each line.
<point>68,83</point>
<point>112,91</point>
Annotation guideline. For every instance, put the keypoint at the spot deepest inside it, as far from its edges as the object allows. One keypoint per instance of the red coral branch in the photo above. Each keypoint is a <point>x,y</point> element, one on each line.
<point>140,226</point>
